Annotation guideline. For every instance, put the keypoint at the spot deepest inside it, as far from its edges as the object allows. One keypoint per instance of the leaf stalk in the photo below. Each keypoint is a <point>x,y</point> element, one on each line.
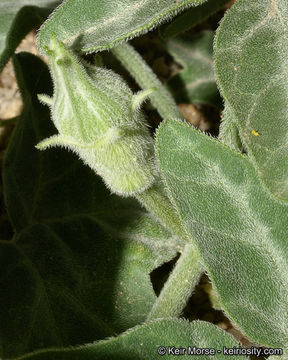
<point>179,286</point>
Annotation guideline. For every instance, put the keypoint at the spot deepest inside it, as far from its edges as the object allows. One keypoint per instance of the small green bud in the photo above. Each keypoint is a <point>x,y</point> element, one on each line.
<point>98,117</point>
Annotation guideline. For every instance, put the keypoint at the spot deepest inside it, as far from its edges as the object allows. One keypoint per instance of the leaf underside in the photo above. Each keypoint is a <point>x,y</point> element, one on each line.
<point>240,229</point>
<point>89,26</point>
<point>251,65</point>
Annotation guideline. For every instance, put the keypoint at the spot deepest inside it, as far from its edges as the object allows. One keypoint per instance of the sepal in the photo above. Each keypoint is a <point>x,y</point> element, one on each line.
<point>140,97</point>
<point>45,99</point>
<point>56,140</point>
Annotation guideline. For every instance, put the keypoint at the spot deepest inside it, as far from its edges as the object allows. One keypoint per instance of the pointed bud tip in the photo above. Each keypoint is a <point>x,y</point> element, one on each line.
<point>56,49</point>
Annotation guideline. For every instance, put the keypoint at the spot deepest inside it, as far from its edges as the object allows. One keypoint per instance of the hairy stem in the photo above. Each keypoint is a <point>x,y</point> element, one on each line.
<point>144,76</point>
<point>156,201</point>
<point>188,268</point>
<point>179,286</point>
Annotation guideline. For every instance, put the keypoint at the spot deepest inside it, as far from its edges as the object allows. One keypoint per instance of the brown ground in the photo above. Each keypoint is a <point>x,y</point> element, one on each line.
<point>10,99</point>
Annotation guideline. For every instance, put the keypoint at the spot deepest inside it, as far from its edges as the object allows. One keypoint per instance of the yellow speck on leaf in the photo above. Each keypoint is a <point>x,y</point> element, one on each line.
<point>255,133</point>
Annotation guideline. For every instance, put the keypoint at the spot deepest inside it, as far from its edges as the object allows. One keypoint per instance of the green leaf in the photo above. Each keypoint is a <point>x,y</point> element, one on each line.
<point>142,342</point>
<point>196,83</point>
<point>277,357</point>
<point>21,179</point>
<point>191,18</point>
<point>78,266</point>
<point>17,19</point>
<point>91,26</point>
<point>239,227</point>
<point>251,51</point>
<point>76,280</point>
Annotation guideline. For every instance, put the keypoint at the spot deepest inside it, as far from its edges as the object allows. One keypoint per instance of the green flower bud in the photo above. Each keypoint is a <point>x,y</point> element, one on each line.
<point>98,117</point>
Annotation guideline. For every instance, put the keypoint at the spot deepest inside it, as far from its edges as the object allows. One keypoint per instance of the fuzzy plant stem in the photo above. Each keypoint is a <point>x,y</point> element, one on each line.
<point>179,286</point>
<point>188,269</point>
<point>146,79</point>
<point>158,204</point>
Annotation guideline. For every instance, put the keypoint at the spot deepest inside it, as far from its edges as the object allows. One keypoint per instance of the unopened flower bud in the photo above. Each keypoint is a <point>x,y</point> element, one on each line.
<point>98,117</point>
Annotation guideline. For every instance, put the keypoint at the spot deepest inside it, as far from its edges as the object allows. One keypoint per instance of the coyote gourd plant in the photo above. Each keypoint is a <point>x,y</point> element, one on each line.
<point>89,225</point>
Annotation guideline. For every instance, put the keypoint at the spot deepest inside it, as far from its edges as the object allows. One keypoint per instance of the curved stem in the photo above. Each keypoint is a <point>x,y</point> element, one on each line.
<point>179,286</point>
<point>188,269</point>
<point>144,76</point>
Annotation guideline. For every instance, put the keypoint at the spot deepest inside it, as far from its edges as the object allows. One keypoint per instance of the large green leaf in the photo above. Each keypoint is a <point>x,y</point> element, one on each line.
<point>78,266</point>
<point>17,19</point>
<point>196,83</point>
<point>239,227</point>
<point>142,343</point>
<point>191,18</point>
<point>251,64</point>
<point>77,280</point>
<point>97,25</point>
